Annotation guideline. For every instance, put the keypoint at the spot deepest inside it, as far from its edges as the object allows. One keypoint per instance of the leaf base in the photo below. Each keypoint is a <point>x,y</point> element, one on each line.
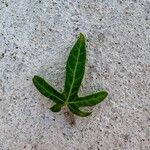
<point>69,116</point>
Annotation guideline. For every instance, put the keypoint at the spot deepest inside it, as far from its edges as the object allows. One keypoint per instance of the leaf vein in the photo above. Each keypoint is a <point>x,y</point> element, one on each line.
<point>50,93</point>
<point>74,72</point>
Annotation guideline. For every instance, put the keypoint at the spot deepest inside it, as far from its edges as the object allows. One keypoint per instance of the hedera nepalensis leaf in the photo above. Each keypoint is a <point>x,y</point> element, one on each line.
<point>74,74</point>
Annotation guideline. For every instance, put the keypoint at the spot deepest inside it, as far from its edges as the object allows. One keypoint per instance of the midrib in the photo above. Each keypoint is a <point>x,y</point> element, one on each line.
<point>51,94</point>
<point>74,75</point>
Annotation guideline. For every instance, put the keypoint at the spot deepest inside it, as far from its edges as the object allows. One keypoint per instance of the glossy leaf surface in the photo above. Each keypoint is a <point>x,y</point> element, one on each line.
<point>74,74</point>
<point>47,90</point>
<point>75,69</point>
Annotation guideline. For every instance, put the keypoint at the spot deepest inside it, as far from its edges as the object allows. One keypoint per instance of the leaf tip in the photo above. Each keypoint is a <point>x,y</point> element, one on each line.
<point>105,94</point>
<point>34,79</point>
<point>82,36</point>
<point>54,110</point>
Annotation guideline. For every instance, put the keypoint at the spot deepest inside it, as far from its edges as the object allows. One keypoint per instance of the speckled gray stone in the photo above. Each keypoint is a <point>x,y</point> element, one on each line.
<point>36,37</point>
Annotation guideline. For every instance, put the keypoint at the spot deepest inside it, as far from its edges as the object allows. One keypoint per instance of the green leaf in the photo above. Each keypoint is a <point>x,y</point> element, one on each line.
<point>56,107</point>
<point>75,69</point>
<point>90,100</point>
<point>74,109</point>
<point>74,74</point>
<point>47,90</point>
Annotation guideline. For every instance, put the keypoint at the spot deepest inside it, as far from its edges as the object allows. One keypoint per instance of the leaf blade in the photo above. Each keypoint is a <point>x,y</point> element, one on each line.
<point>90,100</point>
<point>48,91</point>
<point>75,68</point>
<point>75,110</point>
<point>56,108</point>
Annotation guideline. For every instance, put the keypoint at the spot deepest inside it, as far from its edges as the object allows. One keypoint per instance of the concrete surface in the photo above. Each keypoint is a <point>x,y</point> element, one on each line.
<point>36,37</point>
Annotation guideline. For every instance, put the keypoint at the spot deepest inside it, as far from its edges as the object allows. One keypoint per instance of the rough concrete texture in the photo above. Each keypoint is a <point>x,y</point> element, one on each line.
<point>36,37</point>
